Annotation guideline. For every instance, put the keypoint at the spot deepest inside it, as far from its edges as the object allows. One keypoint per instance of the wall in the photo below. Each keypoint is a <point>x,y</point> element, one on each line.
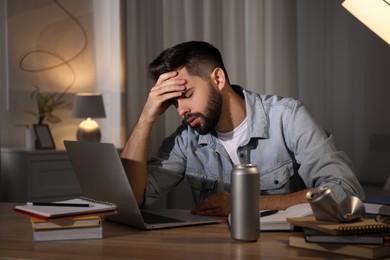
<point>343,76</point>
<point>62,46</point>
<point>343,79</point>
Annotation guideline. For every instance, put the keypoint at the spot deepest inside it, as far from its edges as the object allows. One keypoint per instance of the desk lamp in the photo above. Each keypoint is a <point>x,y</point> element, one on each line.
<point>88,105</point>
<point>375,14</point>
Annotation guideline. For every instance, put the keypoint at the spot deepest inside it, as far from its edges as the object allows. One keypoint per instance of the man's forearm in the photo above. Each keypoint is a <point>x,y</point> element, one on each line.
<point>134,157</point>
<point>167,88</point>
<point>283,201</point>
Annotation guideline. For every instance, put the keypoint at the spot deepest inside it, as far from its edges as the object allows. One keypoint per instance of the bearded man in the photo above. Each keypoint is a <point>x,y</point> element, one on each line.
<point>223,125</point>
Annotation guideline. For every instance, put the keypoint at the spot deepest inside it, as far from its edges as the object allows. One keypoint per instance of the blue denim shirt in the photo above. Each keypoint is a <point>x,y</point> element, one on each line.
<point>290,149</point>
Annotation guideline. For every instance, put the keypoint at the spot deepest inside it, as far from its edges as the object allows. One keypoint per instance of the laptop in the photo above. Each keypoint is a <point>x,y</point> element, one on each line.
<point>101,176</point>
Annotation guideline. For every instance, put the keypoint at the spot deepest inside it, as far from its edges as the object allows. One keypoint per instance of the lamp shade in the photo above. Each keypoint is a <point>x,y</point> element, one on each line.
<point>88,105</point>
<point>375,14</point>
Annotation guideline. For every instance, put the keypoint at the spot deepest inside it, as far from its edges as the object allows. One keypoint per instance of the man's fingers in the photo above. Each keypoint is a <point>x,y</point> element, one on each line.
<point>166,76</point>
<point>169,86</point>
<point>168,82</point>
<point>221,212</point>
<point>215,205</point>
<point>209,203</point>
<point>206,212</point>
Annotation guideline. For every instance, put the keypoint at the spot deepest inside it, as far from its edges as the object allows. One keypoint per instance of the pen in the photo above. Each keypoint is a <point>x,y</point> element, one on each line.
<point>268,212</point>
<point>55,204</point>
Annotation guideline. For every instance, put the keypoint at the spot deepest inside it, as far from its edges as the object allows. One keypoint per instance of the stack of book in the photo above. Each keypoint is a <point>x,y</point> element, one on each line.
<point>72,228</point>
<point>74,219</point>
<point>365,238</point>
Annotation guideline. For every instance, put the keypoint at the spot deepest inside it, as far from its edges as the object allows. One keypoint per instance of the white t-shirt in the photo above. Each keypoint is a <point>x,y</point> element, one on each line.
<point>233,139</point>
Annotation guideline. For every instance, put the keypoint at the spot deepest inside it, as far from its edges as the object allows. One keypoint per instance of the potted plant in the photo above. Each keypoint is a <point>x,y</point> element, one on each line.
<point>46,104</point>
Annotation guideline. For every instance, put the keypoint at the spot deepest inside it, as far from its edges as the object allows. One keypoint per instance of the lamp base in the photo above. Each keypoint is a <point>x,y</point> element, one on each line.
<point>88,131</point>
<point>88,136</point>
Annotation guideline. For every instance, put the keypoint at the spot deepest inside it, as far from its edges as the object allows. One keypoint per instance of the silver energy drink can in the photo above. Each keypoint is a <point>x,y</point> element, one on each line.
<point>245,190</point>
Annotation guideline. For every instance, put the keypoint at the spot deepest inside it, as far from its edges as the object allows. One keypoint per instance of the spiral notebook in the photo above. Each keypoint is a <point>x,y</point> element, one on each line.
<point>363,226</point>
<point>48,212</point>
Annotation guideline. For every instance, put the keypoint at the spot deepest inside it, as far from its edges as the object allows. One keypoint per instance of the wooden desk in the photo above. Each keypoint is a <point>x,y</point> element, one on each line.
<point>199,242</point>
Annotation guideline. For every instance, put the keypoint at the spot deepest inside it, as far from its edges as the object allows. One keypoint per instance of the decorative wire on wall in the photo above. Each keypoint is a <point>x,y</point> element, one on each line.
<point>61,61</point>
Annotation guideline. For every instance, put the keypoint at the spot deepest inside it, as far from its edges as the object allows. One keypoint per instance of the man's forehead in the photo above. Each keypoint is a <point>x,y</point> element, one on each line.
<point>182,72</point>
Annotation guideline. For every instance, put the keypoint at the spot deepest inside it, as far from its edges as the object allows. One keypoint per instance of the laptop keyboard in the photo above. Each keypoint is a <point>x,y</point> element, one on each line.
<point>151,218</point>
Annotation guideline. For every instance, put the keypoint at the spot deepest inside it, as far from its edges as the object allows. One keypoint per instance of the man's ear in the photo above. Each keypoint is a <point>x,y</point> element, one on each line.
<point>218,77</point>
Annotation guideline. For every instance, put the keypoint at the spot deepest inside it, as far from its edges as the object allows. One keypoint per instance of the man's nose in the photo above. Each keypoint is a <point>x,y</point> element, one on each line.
<point>182,108</point>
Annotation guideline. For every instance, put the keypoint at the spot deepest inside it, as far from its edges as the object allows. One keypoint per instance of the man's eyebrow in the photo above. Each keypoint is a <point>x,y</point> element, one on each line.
<point>186,90</point>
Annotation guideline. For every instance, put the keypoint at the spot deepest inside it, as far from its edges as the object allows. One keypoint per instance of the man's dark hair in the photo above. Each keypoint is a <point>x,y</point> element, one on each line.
<point>199,58</point>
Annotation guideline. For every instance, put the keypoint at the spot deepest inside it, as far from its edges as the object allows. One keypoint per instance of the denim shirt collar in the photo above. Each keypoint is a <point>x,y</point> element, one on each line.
<point>256,119</point>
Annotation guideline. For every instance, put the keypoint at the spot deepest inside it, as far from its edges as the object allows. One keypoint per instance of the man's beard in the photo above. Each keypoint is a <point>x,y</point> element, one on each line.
<point>209,120</point>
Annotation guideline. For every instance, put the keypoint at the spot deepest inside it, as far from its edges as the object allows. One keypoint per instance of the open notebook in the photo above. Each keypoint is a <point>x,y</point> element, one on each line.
<point>278,221</point>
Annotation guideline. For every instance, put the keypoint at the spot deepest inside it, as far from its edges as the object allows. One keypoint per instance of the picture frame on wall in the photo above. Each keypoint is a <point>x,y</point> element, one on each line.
<point>44,139</point>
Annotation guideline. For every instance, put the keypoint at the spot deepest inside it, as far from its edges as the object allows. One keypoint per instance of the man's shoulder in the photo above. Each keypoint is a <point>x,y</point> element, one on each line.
<point>276,100</point>
<point>267,98</point>
<point>271,101</point>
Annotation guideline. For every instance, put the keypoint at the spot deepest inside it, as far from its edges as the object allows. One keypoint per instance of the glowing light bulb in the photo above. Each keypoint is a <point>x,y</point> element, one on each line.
<point>89,131</point>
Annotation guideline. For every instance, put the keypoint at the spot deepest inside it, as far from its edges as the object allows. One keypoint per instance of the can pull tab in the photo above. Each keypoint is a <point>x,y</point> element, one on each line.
<point>325,206</point>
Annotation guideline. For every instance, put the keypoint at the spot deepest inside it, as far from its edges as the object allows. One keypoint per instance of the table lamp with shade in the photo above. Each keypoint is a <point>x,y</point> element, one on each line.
<point>88,106</point>
<point>375,14</point>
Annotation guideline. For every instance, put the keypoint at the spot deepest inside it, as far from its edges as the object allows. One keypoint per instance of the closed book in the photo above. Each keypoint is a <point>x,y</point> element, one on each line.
<point>68,234</point>
<point>314,236</point>
<point>67,208</point>
<point>71,222</point>
<point>375,208</point>
<point>355,250</point>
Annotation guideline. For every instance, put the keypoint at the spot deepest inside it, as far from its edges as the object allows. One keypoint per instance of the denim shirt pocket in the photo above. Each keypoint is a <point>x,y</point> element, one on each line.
<point>273,180</point>
<point>200,181</point>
